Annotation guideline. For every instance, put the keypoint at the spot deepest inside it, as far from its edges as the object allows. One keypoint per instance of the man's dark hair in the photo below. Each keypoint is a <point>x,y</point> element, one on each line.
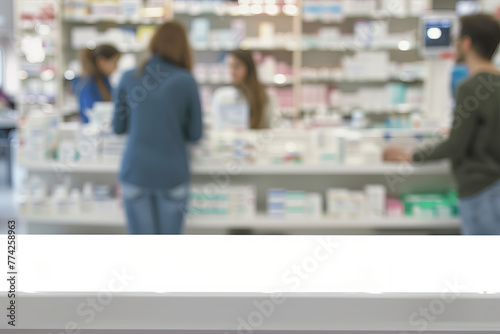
<point>484,32</point>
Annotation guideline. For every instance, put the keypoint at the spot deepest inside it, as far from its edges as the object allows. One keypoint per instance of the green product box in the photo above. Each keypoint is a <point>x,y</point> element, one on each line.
<point>431,205</point>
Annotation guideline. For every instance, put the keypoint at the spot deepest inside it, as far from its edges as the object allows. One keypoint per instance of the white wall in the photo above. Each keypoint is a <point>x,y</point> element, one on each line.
<point>8,45</point>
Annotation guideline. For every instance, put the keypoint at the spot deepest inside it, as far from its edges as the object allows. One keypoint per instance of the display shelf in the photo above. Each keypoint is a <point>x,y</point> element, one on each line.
<point>229,10</point>
<point>55,166</point>
<point>124,48</point>
<point>36,77</point>
<point>339,47</point>
<point>112,19</point>
<point>267,223</point>
<point>207,83</point>
<point>298,169</point>
<point>224,10</point>
<point>373,111</point>
<point>86,219</point>
<point>342,17</point>
<point>227,13</point>
<point>260,222</point>
<point>250,47</point>
<point>51,53</point>
<point>30,25</point>
<point>305,169</point>
<point>362,81</point>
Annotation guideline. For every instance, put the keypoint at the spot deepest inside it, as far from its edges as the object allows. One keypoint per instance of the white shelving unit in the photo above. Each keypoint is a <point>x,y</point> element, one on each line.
<point>34,19</point>
<point>317,177</point>
<point>298,169</point>
<point>219,14</point>
<point>261,222</point>
<point>314,177</point>
<point>115,19</point>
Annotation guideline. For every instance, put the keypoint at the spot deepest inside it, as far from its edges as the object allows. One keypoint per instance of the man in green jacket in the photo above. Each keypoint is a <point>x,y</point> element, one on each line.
<point>473,145</point>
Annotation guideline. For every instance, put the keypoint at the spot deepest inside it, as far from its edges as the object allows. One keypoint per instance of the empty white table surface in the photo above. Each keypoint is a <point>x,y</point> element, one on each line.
<point>256,283</point>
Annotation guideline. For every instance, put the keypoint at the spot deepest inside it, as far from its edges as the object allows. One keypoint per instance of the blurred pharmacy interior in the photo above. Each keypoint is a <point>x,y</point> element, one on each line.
<point>348,78</point>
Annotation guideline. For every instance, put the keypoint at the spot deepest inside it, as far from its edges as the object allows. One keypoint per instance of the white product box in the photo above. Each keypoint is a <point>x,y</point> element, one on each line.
<point>296,204</point>
<point>376,200</point>
<point>239,31</point>
<point>267,32</point>
<point>88,145</point>
<point>372,153</point>
<point>113,147</point>
<point>315,205</point>
<point>242,201</point>
<point>328,147</point>
<point>336,200</point>
<point>276,203</point>
<point>104,8</point>
<point>200,32</point>
<point>355,205</point>
<point>67,152</point>
<point>81,35</point>
<point>359,7</point>
<point>131,8</point>
<point>201,72</point>
<point>418,7</point>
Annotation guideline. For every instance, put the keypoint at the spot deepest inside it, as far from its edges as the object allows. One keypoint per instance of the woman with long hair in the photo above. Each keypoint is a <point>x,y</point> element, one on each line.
<point>97,64</point>
<point>246,103</point>
<point>159,107</point>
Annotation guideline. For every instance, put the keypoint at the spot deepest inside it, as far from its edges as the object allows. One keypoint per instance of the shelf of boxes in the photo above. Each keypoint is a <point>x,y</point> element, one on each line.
<point>247,46</point>
<point>331,11</point>
<point>38,53</point>
<point>126,49</point>
<point>298,169</point>
<point>303,212</point>
<point>89,19</point>
<point>235,207</point>
<point>366,81</point>
<point>260,222</point>
<point>224,8</point>
<point>351,47</point>
<point>327,12</point>
<point>300,46</point>
<point>266,83</point>
<point>343,17</point>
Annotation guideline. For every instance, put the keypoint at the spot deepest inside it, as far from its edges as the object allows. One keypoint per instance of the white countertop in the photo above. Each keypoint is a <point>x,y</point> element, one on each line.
<point>213,282</point>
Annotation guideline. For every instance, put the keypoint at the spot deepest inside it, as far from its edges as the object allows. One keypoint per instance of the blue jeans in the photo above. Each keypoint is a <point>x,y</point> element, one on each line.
<point>480,213</point>
<point>153,211</point>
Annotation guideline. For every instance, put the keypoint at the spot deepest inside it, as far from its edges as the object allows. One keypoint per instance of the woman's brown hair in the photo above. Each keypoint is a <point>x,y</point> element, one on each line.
<point>89,58</point>
<point>253,89</point>
<point>170,43</point>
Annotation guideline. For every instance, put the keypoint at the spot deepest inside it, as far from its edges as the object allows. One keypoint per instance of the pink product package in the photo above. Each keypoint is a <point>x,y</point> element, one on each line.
<point>395,207</point>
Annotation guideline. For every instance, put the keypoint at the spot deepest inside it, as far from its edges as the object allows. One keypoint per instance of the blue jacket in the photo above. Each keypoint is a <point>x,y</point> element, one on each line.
<point>458,75</point>
<point>88,92</point>
<point>161,112</point>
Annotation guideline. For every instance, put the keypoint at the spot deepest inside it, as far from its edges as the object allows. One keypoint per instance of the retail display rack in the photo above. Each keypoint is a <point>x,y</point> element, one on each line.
<point>313,62</point>
<point>341,50</point>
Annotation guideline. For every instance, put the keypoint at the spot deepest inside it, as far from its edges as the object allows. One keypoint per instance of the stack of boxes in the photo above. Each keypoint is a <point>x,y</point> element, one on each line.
<point>347,204</point>
<point>285,204</point>
<point>227,202</point>
<point>113,9</point>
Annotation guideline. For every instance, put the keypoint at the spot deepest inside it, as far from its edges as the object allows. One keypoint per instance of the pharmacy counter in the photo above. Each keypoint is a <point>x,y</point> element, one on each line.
<point>247,284</point>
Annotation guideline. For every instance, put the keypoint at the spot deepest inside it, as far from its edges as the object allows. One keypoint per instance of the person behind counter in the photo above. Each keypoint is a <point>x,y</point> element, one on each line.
<point>159,107</point>
<point>245,104</point>
<point>473,143</point>
<point>94,86</point>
